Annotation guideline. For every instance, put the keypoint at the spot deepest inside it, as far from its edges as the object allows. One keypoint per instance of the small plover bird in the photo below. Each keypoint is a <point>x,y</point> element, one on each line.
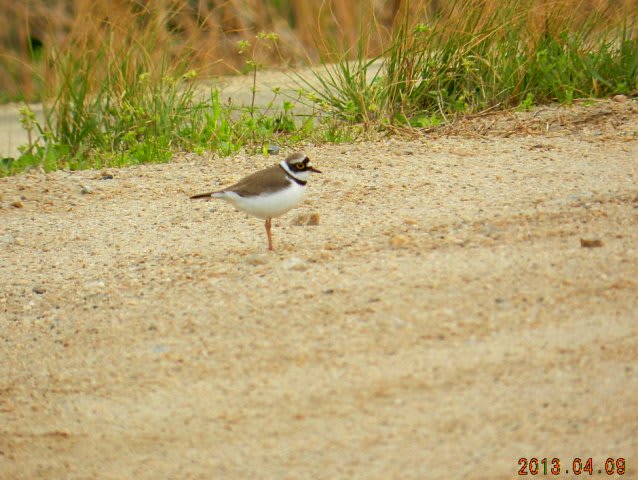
<point>268,193</point>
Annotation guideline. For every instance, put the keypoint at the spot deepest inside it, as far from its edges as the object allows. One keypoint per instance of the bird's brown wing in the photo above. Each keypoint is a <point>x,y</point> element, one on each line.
<point>263,181</point>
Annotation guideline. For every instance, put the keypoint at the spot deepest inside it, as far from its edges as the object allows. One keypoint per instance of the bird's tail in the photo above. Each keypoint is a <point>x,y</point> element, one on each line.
<point>202,196</point>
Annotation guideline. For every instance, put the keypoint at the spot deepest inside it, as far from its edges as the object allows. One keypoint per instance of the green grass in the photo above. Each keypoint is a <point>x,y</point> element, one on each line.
<point>141,107</point>
<point>124,101</point>
<point>471,58</point>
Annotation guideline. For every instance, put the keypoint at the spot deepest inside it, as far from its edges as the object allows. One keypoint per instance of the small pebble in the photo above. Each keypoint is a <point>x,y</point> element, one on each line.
<point>86,189</point>
<point>39,289</point>
<point>620,98</point>
<point>295,263</point>
<point>273,149</point>
<point>7,238</point>
<point>17,204</point>
<point>591,242</point>
<point>309,219</point>
<point>94,284</point>
<point>399,241</point>
<point>257,259</point>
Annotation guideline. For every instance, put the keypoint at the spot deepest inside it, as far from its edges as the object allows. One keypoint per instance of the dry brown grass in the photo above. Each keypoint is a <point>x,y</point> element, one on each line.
<point>207,32</point>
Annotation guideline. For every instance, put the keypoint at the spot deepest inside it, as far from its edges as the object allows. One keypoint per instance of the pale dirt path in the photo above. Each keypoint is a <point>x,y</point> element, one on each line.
<point>442,321</point>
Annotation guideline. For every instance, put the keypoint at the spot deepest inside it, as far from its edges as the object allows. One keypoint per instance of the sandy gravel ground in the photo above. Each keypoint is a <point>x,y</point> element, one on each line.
<point>469,297</point>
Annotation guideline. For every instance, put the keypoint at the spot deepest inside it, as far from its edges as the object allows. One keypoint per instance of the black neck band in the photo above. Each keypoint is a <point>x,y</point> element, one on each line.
<point>296,180</point>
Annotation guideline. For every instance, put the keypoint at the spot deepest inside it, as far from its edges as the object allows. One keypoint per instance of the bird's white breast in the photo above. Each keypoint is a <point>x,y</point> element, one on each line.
<point>267,205</point>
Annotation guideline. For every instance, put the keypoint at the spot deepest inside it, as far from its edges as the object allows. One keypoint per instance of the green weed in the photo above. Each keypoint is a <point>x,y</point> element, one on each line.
<point>470,57</point>
<point>118,96</point>
<point>119,103</point>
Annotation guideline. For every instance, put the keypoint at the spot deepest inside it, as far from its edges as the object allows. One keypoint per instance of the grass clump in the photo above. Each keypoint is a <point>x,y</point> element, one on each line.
<point>119,95</point>
<point>480,54</point>
<point>118,98</point>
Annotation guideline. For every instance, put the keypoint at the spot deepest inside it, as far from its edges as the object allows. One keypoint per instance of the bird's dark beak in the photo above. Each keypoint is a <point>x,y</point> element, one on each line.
<point>313,169</point>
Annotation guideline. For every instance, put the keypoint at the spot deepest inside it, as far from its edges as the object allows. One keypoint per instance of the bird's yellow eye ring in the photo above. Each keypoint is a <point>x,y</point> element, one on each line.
<point>300,166</point>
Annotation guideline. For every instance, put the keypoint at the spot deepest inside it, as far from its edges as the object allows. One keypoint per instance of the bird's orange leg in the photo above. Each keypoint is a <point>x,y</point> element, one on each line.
<point>268,232</point>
